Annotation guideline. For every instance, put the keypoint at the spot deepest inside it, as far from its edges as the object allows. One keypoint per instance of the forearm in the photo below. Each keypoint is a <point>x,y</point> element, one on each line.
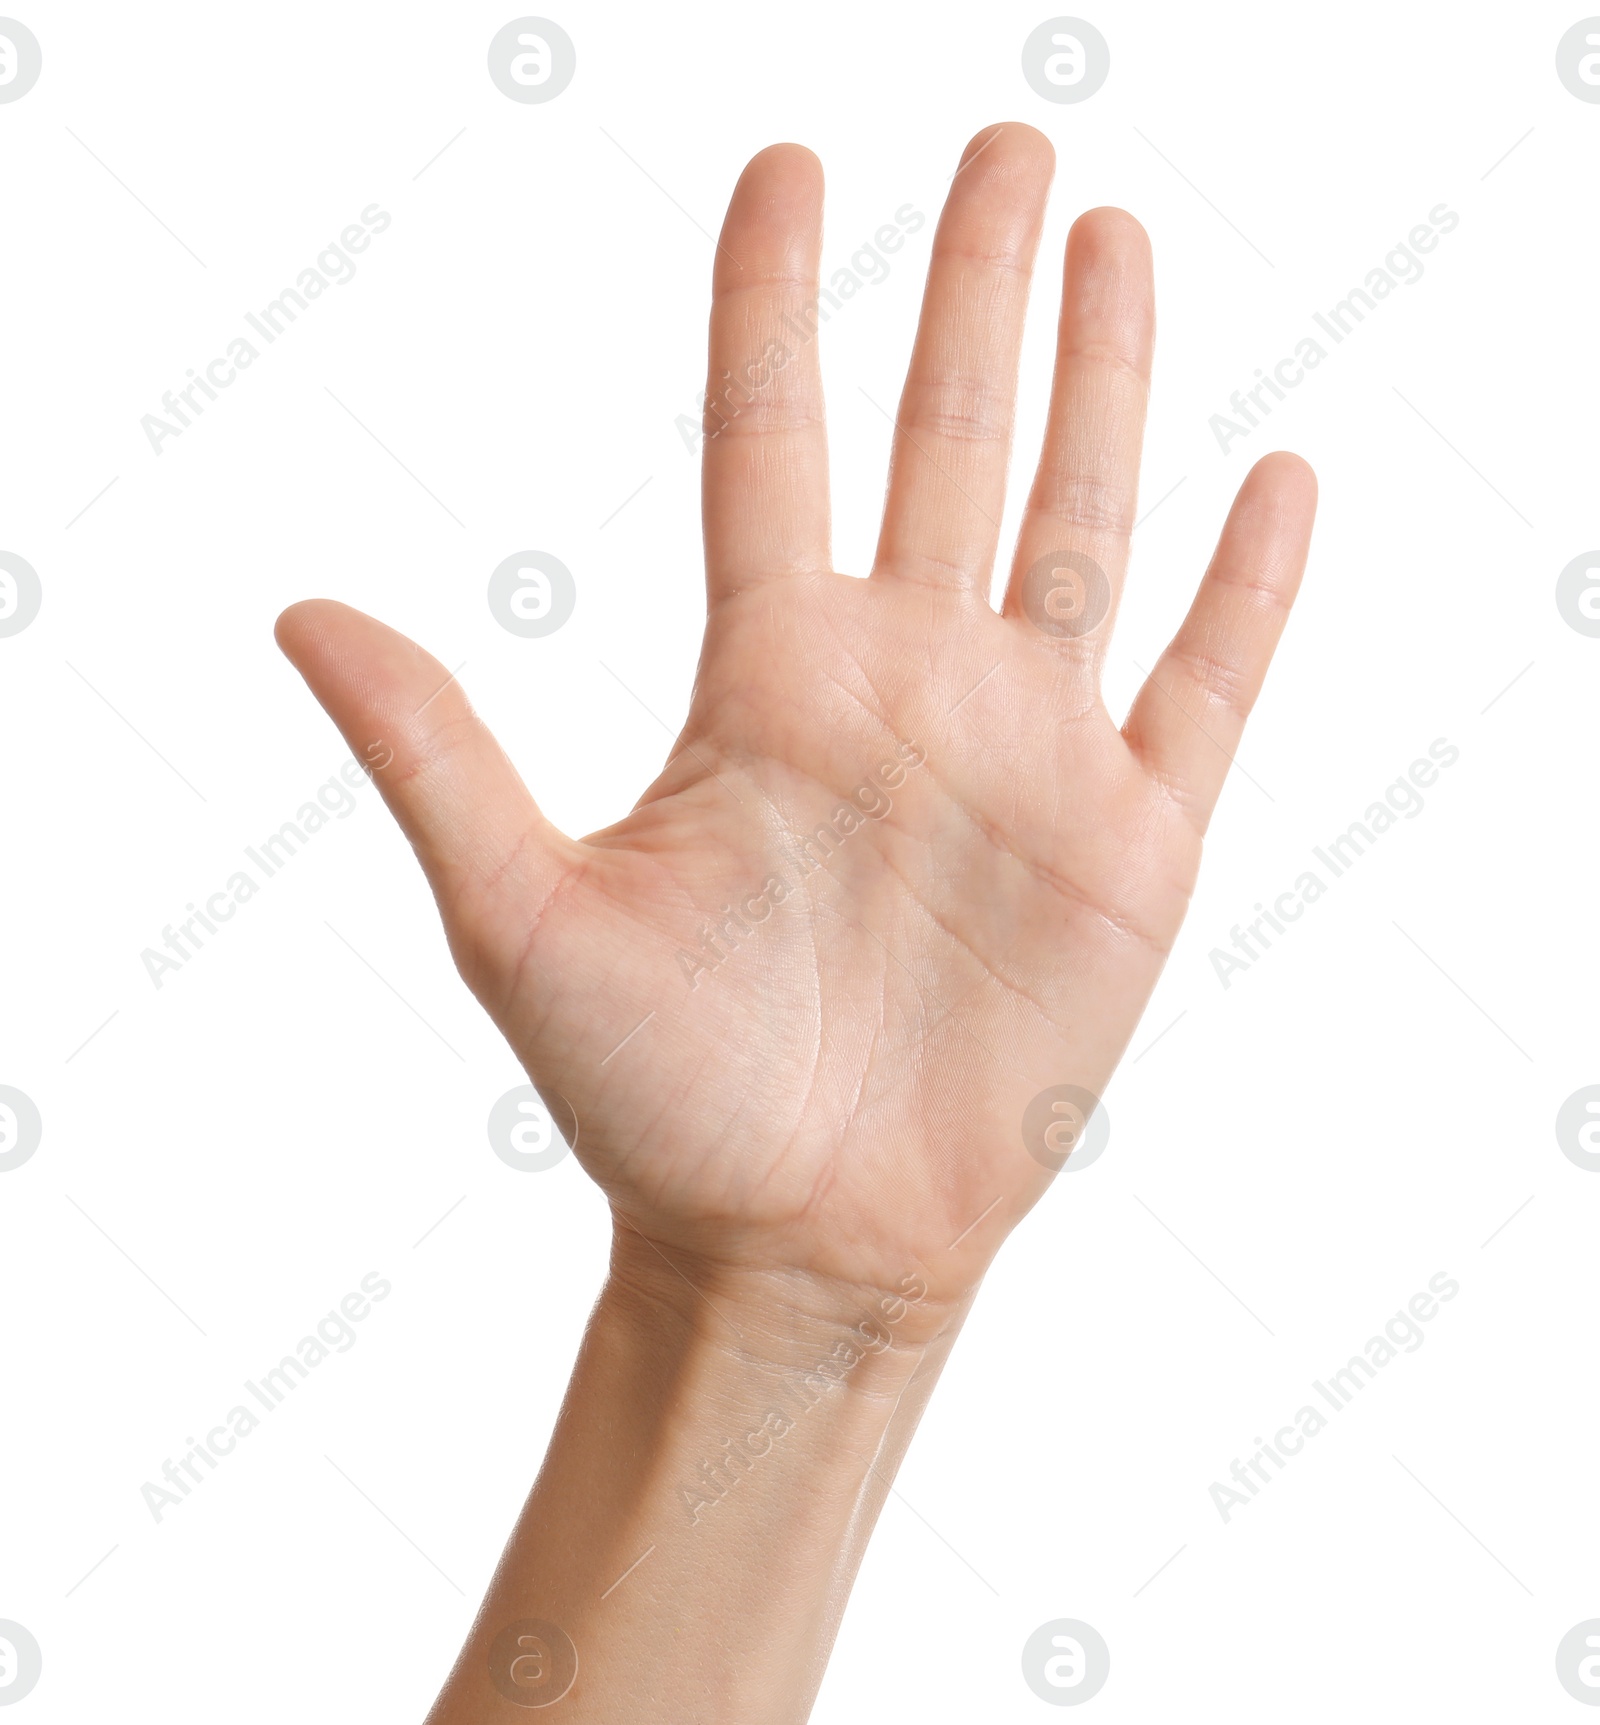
<point>709,1490</point>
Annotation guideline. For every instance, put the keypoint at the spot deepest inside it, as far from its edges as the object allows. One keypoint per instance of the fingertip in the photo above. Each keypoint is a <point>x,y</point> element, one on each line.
<point>1108,288</point>
<point>773,226</point>
<point>782,181</point>
<point>995,207</point>
<point>1291,477</point>
<point>308,625</point>
<point>1109,235</point>
<point>346,656</point>
<point>1111,218</point>
<point>294,621</point>
<point>787,158</point>
<point>1011,147</point>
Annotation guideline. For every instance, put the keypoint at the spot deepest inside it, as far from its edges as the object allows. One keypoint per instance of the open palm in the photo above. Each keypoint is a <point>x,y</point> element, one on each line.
<point>903,872</point>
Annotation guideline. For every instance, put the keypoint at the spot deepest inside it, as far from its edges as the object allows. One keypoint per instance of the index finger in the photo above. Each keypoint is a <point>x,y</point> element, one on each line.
<point>765,476</point>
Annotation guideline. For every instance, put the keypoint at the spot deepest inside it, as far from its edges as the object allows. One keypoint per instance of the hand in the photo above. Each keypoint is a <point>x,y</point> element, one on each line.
<point>835,1102</point>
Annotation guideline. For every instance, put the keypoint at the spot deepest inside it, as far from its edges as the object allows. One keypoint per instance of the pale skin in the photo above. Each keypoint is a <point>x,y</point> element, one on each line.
<point>813,1148</point>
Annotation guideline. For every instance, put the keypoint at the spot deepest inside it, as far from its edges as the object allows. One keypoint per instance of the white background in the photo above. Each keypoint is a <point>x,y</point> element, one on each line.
<point>1358,1111</point>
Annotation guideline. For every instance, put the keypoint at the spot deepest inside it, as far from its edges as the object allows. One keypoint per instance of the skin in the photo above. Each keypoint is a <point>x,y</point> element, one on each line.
<point>824,1130</point>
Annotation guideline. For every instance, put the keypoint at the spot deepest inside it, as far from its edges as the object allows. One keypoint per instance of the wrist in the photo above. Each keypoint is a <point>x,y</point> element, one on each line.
<point>780,1392</point>
<point>869,1337</point>
<point>716,1415</point>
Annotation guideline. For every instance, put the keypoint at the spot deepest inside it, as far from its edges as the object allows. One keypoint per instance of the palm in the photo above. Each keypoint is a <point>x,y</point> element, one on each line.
<point>792,1048</point>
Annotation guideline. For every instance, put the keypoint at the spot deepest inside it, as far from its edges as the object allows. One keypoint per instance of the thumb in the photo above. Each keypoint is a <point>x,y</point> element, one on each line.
<point>478,834</point>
